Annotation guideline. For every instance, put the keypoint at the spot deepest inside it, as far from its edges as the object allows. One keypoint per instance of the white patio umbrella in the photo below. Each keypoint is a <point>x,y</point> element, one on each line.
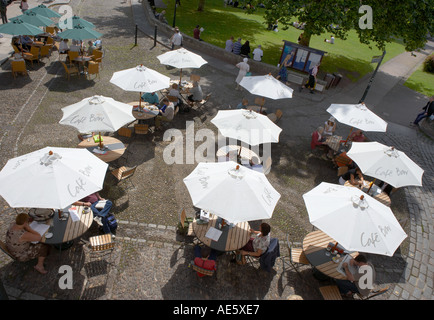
<point>181,59</point>
<point>232,192</point>
<point>140,79</point>
<point>97,113</point>
<point>354,219</point>
<point>266,86</point>
<point>357,116</point>
<point>386,163</point>
<point>51,178</point>
<point>247,126</point>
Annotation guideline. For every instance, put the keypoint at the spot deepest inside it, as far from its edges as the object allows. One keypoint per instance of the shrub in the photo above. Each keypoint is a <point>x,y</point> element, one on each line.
<point>428,64</point>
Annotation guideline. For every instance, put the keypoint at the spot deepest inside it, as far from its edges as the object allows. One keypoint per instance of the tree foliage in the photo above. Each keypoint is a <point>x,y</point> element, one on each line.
<point>409,20</point>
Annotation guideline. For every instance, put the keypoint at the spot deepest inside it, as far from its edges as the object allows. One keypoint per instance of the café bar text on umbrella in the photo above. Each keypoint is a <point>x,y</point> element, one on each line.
<point>247,126</point>
<point>51,178</point>
<point>386,163</point>
<point>140,79</point>
<point>181,59</point>
<point>44,11</point>
<point>355,220</point>
<point>266,86</point>
<point>231,191</point>
<point>97,113</point>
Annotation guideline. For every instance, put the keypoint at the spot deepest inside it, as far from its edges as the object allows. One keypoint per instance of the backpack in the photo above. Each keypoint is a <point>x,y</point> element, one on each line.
<point>112,223</point>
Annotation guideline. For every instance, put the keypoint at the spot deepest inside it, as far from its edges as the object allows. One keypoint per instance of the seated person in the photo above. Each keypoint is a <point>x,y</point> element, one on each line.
<point>75,46</point>
<point>259,244</point>
<point>16,42</point>
<point>90,48</point>
<point>353,273</point>
<point>243,104</point>
<point>26,42</point>
<point>319,141</point>
<point>98,44</point>
<point>174,92</point>
<point>205,258</point>
<point>351,176</point>
<point>91,201</point>
<point>330,126</point>
<point>166,113</point>
<point>63,46</point>
<point>151,98</point>
<point>357,136</point>
<point>196,93</point>
<point>19,238</point>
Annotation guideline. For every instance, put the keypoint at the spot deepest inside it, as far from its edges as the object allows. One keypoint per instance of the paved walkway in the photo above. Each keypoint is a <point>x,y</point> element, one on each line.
<point>150,266</point>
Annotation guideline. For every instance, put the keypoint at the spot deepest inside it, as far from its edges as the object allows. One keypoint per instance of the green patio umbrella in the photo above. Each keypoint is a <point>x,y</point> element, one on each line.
<point>76,20</point>
<point>34,19</point>
<point>79,33</point>
<point>44,11</point>
<point>19,28</point>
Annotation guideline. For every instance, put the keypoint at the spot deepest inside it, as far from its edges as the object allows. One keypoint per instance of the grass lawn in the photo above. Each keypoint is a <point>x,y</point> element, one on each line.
<point>421,81</point>
<point>349,57</point>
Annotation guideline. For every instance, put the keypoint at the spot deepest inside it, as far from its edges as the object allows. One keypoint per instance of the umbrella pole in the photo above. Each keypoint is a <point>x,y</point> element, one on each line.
<point>100,141</point>
<point>140,102</point>
<point>370,186</point>
<point>346,141</point>
<point>180,76</point>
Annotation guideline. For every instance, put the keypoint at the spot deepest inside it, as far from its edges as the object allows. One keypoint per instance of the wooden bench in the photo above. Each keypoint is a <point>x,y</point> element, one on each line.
<point>330,292</point>
<point>296,79</point>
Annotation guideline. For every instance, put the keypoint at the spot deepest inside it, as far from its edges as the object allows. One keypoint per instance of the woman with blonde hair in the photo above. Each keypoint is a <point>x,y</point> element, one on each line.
<point>19,240</point>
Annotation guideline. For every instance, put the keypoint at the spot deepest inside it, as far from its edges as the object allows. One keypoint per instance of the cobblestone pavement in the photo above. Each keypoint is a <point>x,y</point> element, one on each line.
<point>150,260</point>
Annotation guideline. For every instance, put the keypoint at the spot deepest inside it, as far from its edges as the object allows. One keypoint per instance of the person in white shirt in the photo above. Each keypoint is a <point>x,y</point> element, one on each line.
<point>176,39</point>
<point>332,40</point>
<point>63,46</point>
<point>258,53</point>
<point>174,92</point>
<point>229,44</point>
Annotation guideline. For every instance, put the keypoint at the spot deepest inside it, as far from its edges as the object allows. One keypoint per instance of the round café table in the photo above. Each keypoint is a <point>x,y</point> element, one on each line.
<point>114,148</point>
<point>67,230</point>
<point>148,112</point>
<point>314,247</point>
<point>232,237</point>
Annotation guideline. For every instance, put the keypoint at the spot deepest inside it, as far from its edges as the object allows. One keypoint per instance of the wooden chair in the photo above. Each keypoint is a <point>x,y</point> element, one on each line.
<point>18,66</point>
<point>92,68</point>
<point>102,242</point>
<point>141,128</point>
<point>185,225</point>
<point>50,43</point>
<point>97,56</point>
<point>72,55</point>
<point>4,248</point>
<point>278,115</point>
<point>125,132</point>
<point>124,173</point>
<point>50,30</point>
<point>45,52</point>
<point>260,101</point>
<point>330,292</point>
<point>70,70</point>
<point>34,55</point>
<point>267,165</point>
<point>297,258</point>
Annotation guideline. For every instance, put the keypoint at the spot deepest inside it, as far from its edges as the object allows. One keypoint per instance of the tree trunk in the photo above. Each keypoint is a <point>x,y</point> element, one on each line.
<point>201,5</point>
<point>305,39</point>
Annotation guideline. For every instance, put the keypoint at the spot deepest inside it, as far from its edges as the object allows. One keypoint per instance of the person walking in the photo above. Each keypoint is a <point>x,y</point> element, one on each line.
<point>176,39</point>
<point>24,6</point>
<point>312,79</point>
<point>244,68</point>
<point>427,111</point>
<point>3,9</point>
